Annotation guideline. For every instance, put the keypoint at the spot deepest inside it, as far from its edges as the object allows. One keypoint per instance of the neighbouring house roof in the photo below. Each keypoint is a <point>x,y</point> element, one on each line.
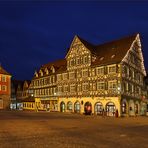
<point>3,71</point>
<point>29,99</point>
<point>56,64</point>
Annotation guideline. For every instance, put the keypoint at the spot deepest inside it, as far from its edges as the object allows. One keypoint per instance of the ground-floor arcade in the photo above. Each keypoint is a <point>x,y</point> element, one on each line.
<point>86,105</point>
<point>108,106</point>
<point>103,106</point>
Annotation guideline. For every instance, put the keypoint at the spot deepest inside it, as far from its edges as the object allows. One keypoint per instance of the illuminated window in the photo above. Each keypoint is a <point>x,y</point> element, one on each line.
<point>3,78</point>
<point>85,73</point>
<point>59,88</point>
<point>94,86</point>
<point>79,87</point>
<point>100,71</point>
<point>85,86</point>
<point>59,77</point>
<point>78,61</point>
<point>66,88</point>
<point>112,85</point>
<point>4,88</point>
<point>85,60</point>
<point>100,85</point>
<point>112,69</point>
<point>72,88</point>
<point>65,76</point>
<point>71,75</point>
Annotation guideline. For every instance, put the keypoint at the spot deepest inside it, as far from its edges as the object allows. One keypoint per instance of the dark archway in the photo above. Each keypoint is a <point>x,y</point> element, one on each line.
<point>88,108</point>
<point>124,107</point>
<point>62,107</point>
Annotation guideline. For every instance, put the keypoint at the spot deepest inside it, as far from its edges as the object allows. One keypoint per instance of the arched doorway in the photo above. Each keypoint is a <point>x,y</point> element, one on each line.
<point>1,103</point>
<point>69,106</point>
<point>77,107</point>
<point>62,107</point>
<point>136,108</point>
<point>98,108</point>
<point>110,109</point>
<point>88,108</point>
<point>131,108</point>
<point>124,107</point>
<point>143,108</point>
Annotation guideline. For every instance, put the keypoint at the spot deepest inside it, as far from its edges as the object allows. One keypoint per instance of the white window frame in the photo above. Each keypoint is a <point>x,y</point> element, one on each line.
<point>110,69</point>
<point>100,71</point>
<point>72,88</point>
<point>111,85</point>
<point>3,78</point>
<point>85,86</point>
<point>100,85</point>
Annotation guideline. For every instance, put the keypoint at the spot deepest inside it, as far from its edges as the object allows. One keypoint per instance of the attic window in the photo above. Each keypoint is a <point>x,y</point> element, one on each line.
<point>112,56</point>
<point>102,58</point>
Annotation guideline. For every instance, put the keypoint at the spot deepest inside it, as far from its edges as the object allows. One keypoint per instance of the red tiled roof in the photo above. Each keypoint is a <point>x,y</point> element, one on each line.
<point>3,71</point>
<point>56,64</point>
<point>118,48</point>
<point>29,99</point>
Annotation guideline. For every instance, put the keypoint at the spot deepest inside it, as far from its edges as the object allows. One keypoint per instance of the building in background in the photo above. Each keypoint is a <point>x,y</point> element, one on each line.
<point>44,86</point>
<point>94,79</point>
<point>5,88</point>
<point>19,93</point>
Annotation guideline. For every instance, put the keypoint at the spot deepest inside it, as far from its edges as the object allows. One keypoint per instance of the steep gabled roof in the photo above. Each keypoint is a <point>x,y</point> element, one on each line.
<point>113,52</point>
<point>110,52</point>
<point>3,71</point>
<point>88,45</point>
<point>56,64</point>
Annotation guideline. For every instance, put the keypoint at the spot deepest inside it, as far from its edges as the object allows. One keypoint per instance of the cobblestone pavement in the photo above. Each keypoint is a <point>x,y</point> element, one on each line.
<point>20,129</point>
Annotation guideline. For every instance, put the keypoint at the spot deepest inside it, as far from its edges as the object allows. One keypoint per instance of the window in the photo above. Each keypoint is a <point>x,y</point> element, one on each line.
<point>100,71</point>
<point>93,72</point>
<point>85,73</point>
<point>79,73</point>
<point>112,69</point>
<point>100,85</point>
<point>65,76</point>
<point>79,87</point>
<point>72,88</point>
<point>59,88</point>
<point>71,75</point>
<point>94,86</point>
<point>66,88</point>
<point>78,61</point>
<point>4,88</point>
<point>59,77</point>
<point>112,85</point>
<point>85,86</point>
<point>85,59</point>
<point>3,78</point>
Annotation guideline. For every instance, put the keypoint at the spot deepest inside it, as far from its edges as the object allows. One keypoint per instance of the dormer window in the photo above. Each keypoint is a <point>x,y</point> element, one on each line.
<point>52,69</point>
<point>46,71</point>
<point>112,56</point>
<point>93,59</point>
<point>36,74</point>
<point>41,73</point>
<point>102,58</point>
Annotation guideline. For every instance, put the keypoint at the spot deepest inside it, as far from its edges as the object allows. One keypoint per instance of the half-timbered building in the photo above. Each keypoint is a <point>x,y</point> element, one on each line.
<point>94,79</point>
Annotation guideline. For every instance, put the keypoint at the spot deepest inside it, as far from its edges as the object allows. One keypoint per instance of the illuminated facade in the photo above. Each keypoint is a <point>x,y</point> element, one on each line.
<point>93,79</point>
<point>5,89</point>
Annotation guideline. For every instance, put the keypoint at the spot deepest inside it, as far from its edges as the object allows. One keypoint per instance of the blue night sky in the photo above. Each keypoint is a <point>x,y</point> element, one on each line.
<point>35,33</point>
